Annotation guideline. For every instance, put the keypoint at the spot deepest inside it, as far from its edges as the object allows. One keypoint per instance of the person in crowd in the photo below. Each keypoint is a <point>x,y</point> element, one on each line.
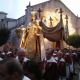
<point>10,69</point>
<point>30,67</point>
<point>69,65</point>
<point>6,52</point>
<point>21,56</point>
<point>62,69</point>
<point>51,70</point>
<point>32,70</point>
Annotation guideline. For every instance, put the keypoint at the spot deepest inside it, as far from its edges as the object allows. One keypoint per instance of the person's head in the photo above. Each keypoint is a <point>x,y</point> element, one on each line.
<point>6,48</point>
<point>21,54</point>
<point>10,69</point>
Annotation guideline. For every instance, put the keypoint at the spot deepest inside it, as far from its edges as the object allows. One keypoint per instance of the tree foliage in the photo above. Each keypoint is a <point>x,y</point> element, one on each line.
<point>4,35</point>
<point>73,40</point>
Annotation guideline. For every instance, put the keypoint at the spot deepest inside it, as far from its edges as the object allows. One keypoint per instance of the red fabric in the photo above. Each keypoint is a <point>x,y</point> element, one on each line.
<point>58,44</point>
<point>68,58</point>
<point>62,68</point>
<point>74,58</point>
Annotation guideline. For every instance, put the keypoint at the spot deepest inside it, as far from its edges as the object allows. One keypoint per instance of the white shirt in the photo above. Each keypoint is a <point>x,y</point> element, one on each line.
<point>26,78</point>
<point>1,59</point>
<point>25,59</point>
<point>52,59</point>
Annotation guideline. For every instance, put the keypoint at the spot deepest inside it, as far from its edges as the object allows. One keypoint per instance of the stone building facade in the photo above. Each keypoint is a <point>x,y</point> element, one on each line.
<point>49,9</point>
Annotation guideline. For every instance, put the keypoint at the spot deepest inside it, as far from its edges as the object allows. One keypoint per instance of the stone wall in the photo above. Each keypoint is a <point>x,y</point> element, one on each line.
<point>51,6</point>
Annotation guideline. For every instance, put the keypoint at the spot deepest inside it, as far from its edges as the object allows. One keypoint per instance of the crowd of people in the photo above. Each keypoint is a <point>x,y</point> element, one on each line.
<point>60,65</point>
<point>57,65</point>
<point>18,64</point>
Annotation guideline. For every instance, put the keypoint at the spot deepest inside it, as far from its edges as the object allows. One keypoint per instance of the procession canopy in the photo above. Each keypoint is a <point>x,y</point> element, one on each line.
<point>53,33</point>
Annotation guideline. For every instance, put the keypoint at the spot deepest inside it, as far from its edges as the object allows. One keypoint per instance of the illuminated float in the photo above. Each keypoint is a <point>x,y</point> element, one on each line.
<point>42,34</point>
